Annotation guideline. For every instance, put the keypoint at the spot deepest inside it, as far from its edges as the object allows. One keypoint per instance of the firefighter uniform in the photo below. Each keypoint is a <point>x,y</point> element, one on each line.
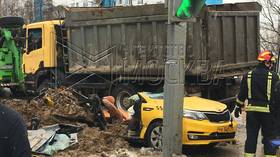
<point>275,109</point>
<point>256,87</point>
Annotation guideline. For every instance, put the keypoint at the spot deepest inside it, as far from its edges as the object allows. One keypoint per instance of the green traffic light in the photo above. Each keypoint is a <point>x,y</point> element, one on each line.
<point>184,9</point>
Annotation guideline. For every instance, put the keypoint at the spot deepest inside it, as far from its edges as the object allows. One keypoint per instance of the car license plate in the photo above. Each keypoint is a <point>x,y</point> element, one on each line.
<point>224,129</point>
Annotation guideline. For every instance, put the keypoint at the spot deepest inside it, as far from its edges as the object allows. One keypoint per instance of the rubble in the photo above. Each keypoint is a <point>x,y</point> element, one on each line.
<point>91,139</point>
<point>64,103</point>
<point>92,142</point>
<point>50,139</point>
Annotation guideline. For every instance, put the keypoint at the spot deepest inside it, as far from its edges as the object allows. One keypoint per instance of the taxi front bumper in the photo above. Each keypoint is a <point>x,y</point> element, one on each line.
<point>204,132</point>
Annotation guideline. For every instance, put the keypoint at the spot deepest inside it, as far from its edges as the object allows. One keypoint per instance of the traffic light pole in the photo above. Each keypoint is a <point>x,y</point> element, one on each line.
<point>174,86</point>
<point>278,46</point>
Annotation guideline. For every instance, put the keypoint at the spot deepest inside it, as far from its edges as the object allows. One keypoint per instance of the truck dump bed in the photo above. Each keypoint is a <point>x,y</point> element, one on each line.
<point>224,42</point>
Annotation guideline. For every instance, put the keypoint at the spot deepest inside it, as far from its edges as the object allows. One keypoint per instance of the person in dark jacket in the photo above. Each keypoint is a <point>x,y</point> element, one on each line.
<point>275,109</point>
<point>13,134</point>
<point>256,87</point>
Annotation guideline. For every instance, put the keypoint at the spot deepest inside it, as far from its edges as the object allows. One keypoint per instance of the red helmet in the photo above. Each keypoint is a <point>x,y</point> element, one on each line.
<point>266,56</point>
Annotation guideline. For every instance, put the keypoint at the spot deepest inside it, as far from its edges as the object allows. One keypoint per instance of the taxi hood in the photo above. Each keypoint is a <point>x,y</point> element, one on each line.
<point>205,105</point>
<point>190,103</point>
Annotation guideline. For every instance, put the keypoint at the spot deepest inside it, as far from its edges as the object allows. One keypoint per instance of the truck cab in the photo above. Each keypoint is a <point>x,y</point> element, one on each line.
<point>40,60</point>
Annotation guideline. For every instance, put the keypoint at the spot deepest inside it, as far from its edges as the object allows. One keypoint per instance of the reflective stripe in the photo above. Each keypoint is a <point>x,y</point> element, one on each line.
<point>257,108</point>
<point>239,101</point>
<point>270,156</point>
<point>249,83</point>
<point>268,88</point>
<point>249,155</point>
<point>254,107</point>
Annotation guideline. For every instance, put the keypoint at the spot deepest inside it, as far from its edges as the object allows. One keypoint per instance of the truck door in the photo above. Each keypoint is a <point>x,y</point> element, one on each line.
<point>33,59</point>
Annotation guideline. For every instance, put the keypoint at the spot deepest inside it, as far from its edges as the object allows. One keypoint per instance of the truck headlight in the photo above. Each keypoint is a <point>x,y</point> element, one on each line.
<point>195,115</point>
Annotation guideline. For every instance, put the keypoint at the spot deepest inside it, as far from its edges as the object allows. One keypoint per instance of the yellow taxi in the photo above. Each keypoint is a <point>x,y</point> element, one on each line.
<point>204,121</point>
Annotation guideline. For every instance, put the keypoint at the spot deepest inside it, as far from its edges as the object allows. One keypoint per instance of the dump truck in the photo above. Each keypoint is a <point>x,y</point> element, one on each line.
<point>119,51</point>
<point>11,46</point>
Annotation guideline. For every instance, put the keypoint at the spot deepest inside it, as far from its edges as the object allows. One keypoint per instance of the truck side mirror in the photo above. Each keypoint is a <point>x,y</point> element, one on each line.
<point>25,51</point>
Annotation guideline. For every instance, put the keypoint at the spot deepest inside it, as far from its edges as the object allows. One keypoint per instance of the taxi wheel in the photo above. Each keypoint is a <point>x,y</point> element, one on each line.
<point>154,135</point>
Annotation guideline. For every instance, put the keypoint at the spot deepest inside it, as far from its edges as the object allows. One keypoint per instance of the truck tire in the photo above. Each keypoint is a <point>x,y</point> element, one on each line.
<point>154,135</point>
<point>17,92</point>
<point>43,86</point>
<point>11,21</point>
<point>5,93</point>
<point>123,91</point>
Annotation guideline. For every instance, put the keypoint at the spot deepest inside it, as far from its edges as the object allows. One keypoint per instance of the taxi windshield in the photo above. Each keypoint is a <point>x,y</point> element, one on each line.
<point>154,95</point>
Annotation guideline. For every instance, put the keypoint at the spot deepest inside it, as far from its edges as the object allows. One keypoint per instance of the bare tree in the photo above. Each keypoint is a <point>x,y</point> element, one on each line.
<point>48,9</point>
<point>270,31</point>
<point>1,7</point>
<point>11,8</point>
<point>28,11</point>
<point>17,8</point>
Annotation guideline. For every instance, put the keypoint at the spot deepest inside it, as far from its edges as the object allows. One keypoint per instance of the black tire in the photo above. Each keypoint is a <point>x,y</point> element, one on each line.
<point>11,22</point>
<point>43,86</point>
<point>123,91</point>
<point>153,136</point>
<point>17,92</point>
<point>5,93</point>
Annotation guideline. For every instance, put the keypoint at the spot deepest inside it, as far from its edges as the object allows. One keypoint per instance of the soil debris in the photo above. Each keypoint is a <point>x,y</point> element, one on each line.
<point>92,142</point>
<point>54,102</point>
<point>63,102</point>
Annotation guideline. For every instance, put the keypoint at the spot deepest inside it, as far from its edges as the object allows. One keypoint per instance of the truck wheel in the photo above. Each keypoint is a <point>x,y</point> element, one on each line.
<point>121,92</point>
<point>4,92</point>
<point>153,137</point>
<point>43,86</point>
<point>11,21</point>
<point>17,92</point>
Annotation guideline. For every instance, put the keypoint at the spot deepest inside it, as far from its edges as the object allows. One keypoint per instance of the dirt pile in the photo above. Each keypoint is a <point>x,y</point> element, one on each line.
<point>100,143</point>
<point>92,142</point>
<point>62,102</point>
<point>54,102</point>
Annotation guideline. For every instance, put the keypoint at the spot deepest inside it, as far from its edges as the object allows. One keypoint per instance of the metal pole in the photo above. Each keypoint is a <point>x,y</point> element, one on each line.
<point>174,86</point>
<point>278,44</point>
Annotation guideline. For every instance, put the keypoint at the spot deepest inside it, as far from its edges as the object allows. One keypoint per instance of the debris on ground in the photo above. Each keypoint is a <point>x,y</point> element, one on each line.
<point>50,139</point>
<point>92,141</point>
<point>64,104</point>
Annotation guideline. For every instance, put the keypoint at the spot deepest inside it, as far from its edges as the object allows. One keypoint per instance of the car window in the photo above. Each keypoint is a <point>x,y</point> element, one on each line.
<point>138,97</point>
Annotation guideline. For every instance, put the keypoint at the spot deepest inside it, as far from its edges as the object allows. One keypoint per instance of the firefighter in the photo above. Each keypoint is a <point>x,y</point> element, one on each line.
<point>256,87</point>
<point>275,109</point>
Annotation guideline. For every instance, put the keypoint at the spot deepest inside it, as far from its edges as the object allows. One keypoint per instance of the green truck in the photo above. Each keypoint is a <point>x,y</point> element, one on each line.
<point>11,48</point>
